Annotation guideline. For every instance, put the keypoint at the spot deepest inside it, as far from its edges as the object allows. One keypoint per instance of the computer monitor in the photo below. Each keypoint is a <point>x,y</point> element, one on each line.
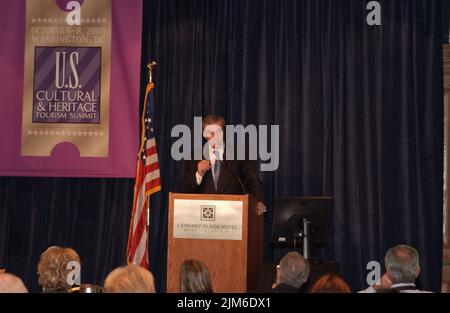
<point>288,220</point>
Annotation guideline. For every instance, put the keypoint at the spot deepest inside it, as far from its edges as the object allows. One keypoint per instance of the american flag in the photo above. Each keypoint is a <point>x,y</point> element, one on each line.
<point>147,182</point>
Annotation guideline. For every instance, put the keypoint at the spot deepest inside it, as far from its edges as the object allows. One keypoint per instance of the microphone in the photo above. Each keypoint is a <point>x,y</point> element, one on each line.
<point>228,166</point>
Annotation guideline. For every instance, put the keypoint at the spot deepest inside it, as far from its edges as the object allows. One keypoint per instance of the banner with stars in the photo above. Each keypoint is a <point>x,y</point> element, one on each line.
<point>69,77</point>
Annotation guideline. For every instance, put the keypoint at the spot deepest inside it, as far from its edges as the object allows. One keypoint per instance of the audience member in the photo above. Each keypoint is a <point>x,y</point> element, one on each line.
<point>194,277</point>
<point>10,283</point>
<point>129,279</point>
<point>402,269</point>
<point>330,283</point>
<point>292,273</point>
<point>53,271</point>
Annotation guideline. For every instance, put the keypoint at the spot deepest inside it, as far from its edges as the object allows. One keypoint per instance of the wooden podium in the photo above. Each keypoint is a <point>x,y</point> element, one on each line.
<point>222,231</point>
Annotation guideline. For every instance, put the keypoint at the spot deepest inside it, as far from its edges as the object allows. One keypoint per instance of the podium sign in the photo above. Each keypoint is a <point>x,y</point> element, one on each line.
<point>222,231</point>
<point>212,220</point>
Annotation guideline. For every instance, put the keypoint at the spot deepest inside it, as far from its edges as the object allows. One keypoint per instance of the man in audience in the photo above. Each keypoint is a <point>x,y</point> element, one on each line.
<point>402,269</point>
<point>292,273</point>
<point>129,279</point>
<point>10,283</point>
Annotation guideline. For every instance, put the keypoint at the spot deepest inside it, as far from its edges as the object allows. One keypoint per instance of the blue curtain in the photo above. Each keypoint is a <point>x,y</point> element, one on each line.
<point>359,108</point>
<point>360,115</point>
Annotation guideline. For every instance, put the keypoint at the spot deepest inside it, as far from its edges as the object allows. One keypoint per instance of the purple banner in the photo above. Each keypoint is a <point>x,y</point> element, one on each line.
<point>72,102</point>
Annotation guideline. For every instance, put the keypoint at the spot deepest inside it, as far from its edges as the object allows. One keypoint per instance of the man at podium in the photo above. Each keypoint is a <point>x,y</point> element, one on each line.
<point>218,173</point>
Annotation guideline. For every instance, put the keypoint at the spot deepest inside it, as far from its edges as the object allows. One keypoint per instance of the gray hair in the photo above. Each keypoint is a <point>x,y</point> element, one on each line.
<point>10,283</point>
<point>130,279</point>
<point>402,263</point>
<point>294,269</point>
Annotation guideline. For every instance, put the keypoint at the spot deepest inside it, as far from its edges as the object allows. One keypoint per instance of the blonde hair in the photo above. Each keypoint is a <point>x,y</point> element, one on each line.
<point>52,267</point>
<point>130,279</point>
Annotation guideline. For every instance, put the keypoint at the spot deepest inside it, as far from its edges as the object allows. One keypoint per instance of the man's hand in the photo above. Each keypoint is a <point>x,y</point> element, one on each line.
<point>385,283</point>
<point>260,208</point>
<point>203,166</point>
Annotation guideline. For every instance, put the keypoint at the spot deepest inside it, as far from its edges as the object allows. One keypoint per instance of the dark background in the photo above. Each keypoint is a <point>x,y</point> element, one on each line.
<point>360,110</point>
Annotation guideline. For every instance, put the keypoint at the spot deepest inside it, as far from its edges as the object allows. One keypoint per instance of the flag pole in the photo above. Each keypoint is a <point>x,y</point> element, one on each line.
<point>150,67</point>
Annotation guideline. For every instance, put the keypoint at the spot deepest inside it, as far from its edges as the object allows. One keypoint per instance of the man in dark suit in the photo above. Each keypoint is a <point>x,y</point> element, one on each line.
<point>219,173</point>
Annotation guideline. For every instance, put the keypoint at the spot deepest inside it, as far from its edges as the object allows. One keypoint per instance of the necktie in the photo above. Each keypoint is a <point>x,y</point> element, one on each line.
<point>216,169</point>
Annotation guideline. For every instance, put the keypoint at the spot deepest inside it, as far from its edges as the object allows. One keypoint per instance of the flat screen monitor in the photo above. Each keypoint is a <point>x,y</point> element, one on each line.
<point>288,219</point>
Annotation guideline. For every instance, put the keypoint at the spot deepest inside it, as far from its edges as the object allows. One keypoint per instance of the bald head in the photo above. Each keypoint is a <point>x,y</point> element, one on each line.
<point>10,283</point>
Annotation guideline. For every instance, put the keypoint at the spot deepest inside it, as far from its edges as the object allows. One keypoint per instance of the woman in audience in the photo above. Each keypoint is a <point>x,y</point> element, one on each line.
<point>54,276</point>
<point>194,277</point>
<point>129,279</point>
<point>330,283</point>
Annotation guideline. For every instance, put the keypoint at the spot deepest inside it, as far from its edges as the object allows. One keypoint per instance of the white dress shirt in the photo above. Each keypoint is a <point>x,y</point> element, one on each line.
<point>394,286</point>
<point>212,158</point>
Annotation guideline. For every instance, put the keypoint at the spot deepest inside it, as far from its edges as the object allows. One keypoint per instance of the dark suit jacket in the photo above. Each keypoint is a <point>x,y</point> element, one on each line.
<point>229,183</point>
<point>283,288</point>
